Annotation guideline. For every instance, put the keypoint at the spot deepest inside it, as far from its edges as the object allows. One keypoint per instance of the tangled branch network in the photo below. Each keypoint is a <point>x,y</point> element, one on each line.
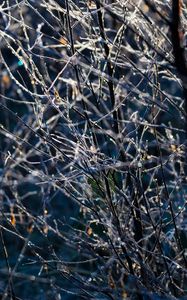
<point>93,170</point>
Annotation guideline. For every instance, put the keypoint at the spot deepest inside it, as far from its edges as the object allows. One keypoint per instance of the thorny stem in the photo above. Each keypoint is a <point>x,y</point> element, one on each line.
<point>179,55</point>
<point>109,65</point>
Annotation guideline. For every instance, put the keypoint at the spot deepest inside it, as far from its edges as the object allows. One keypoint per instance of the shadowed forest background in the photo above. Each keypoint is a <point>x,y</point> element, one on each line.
<point>93,173</point>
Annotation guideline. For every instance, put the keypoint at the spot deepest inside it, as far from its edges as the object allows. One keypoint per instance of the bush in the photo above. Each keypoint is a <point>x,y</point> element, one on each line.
<point>93,171</point>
